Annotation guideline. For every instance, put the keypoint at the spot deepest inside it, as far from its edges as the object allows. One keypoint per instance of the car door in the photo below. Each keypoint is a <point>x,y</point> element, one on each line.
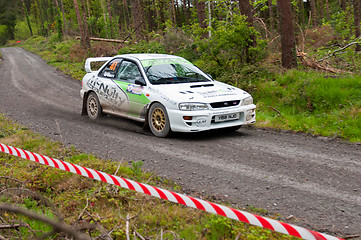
<point>130,79</point>
<point>111,96</point>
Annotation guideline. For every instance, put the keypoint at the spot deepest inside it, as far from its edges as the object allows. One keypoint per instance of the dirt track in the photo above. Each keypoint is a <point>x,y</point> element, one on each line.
<point>315,179</point>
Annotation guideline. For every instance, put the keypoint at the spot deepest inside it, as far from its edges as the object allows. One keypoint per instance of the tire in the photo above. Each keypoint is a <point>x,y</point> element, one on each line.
<point>93,107</point>
<point>158,120</point>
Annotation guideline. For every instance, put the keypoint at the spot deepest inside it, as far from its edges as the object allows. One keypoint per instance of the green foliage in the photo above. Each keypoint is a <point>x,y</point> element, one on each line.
<point>59,25</point>
<point>8,14</point>
<point>342,23</point>
<point>22,31</point>
<point>143,47</point>
<point>219,228</point>
<point>231,46</point>
<point>4,35</point>
<point>137,168</point>
<point>7,128</point>
<point>35,225</point>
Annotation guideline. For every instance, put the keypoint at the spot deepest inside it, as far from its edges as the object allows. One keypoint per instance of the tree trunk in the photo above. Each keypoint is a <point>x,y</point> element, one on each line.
<point>161,13</point>
<point>356,5</point>
<point>65,30</point>
<point>85,24</point>
<point>110,18</point>
<point>314,13</point>
<point>271,15</point>
<point>321,5</point>
<point>137,10</point>
<point>102,4</point>
<point>327,10</point>
<point>302,12</point>
<point>185,12</point>
<point>27,18</point>
<point>81,28</point>
<point>246,9</point>
<point>287,34</point>
<point>209,18</point>
<point>58,20</point>
<point>343,5</point>
<point>201,13</point>
<point>173,13</point>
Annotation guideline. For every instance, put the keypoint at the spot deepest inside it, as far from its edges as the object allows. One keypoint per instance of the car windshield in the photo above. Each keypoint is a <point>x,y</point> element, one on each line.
<point>172,71</point>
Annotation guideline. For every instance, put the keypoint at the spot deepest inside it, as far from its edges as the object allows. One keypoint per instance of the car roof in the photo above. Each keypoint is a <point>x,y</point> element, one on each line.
<point>147,56</point>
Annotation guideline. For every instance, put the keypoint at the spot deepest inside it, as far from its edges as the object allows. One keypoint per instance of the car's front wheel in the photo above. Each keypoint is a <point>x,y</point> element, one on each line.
<point>158,120</point>
<point>93,107</point>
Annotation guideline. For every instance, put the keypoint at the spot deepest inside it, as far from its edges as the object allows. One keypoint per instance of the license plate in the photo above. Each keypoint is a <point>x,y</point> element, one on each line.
<point>226,117</point>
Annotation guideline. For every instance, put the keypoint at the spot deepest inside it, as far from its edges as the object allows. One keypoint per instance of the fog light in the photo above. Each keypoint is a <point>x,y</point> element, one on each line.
<point>201,122</point>
<point>188,118</point>
<point>249,117</point>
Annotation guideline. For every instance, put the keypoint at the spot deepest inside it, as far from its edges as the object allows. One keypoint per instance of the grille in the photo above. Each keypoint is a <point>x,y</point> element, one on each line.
<point>225,104</point>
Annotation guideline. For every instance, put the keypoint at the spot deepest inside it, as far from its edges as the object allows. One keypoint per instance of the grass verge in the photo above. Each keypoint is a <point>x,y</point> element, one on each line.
<point>98,208</point>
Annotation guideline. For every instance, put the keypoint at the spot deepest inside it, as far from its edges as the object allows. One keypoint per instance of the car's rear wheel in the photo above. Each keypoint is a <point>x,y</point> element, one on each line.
<point>158,120</point>
<point>93,107</point>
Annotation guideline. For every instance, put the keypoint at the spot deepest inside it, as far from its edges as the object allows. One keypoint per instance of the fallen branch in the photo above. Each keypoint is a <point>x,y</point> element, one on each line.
<point>313,64</point>
<point>15,192</point>
<point>58,226</point>
<point>127,227</point>
<point>340,49</point>
<point>137,234</point>
<point>2,238</point>
<point>105,40</point>
<point>279,113</point>
<point>352,236</point>
<point>9,226</point>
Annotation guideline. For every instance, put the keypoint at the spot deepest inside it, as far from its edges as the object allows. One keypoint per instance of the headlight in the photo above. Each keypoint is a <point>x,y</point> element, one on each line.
<point>193,106</point>
<point>247,101</point>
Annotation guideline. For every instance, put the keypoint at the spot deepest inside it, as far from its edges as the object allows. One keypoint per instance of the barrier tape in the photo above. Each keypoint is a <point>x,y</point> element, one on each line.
<point>214,208</point>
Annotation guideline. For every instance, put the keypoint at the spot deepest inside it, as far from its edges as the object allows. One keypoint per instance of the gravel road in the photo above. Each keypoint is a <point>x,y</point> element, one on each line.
<point>314,179</point>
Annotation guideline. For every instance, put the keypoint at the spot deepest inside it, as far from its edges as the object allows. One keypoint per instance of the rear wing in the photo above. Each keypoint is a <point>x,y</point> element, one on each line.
<point>96,59</point>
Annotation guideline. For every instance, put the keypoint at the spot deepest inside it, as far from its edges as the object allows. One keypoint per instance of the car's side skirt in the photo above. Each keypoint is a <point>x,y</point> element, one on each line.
<point>138,119</point>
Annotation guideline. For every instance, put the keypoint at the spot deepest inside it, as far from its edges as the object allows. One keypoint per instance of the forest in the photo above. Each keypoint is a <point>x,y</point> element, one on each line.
<point>246,26</point>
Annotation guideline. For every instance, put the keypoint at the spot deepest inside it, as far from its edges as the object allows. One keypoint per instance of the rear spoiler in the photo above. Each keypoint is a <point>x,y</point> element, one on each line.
<point>96,59</point>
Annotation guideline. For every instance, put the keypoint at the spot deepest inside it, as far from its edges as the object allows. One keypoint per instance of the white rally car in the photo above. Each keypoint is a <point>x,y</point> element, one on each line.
<point>164,91</point>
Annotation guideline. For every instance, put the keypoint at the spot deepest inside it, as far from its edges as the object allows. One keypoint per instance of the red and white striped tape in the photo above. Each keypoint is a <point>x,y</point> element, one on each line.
<point>170,196</point>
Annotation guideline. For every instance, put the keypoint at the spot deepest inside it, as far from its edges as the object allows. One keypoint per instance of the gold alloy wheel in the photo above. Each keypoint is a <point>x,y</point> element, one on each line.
<point>93,106</point>
<point>158,119</point>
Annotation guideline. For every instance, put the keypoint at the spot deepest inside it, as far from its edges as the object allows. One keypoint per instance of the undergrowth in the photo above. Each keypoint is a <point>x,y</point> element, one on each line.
<point>91,205</point>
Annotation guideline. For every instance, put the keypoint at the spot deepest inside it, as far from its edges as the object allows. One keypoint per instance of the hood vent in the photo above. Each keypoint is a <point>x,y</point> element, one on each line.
<point>203,85</point>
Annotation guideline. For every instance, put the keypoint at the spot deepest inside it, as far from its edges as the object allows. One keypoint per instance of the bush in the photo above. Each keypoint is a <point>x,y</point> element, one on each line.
<point>231,46</point>
<point>4,35</point>
<point>22,31</point>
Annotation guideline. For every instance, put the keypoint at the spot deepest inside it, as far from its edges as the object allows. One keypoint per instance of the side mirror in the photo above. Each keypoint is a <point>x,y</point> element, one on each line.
<point>140,81</point>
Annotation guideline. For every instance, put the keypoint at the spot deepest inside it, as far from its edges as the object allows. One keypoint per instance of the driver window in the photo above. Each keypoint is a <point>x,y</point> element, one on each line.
<point>110,69</point>
<point>128,71</point>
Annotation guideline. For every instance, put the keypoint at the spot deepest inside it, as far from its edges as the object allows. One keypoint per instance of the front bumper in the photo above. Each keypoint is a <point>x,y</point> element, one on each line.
<point>206,119</point>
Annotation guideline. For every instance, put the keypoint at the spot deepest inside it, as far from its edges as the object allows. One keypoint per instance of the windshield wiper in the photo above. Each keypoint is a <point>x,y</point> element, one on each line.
<point>175,80</point>
<point>163,81</point>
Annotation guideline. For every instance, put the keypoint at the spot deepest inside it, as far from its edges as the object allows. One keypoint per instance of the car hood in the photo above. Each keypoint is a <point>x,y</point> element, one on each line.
<point>206,92</point>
